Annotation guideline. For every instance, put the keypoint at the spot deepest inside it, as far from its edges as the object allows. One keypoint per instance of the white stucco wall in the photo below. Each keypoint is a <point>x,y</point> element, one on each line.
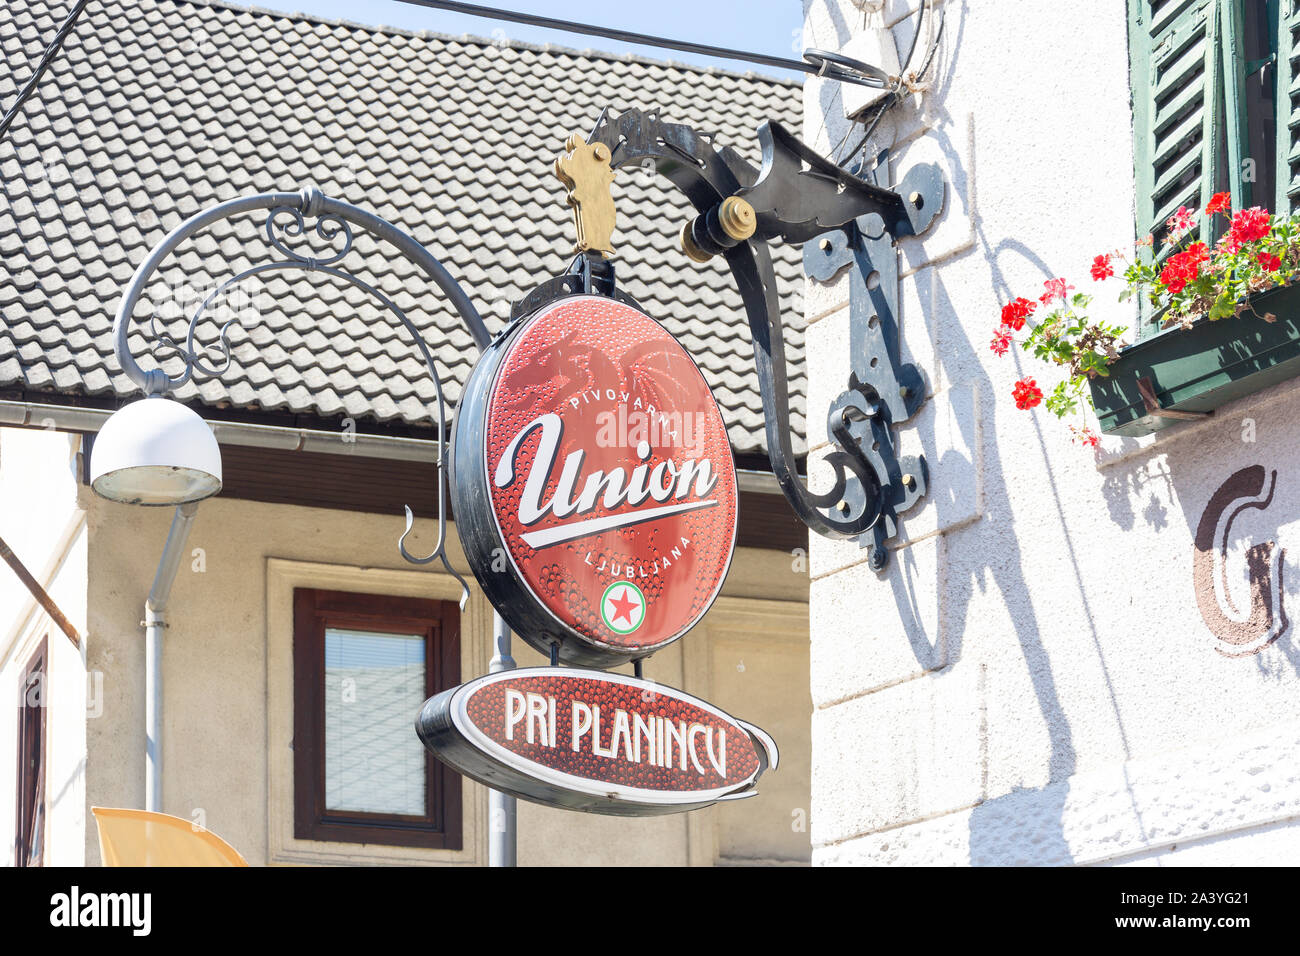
<point>1032,680</point>
<point>41,523</point>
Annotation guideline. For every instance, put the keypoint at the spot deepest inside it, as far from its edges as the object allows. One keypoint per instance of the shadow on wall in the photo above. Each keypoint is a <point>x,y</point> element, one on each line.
<point>1237,514</point>
<point>829,94</point>
<point>1025,826</point>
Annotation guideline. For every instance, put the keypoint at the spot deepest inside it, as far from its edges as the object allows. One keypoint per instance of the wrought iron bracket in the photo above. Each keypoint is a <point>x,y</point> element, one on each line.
<point>883,390</point>
<point>588,274</point>
<point>798,195</point>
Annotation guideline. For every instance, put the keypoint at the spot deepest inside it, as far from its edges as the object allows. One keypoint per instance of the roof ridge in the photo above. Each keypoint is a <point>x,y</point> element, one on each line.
<point>554,48</point>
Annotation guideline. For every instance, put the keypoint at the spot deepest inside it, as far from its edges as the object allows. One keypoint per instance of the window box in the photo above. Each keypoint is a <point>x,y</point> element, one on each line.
<point>1198,369</point>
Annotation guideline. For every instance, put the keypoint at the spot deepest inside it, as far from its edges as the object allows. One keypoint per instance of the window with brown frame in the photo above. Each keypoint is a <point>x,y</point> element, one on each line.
<point>362,666</point>
<point>29,847</point>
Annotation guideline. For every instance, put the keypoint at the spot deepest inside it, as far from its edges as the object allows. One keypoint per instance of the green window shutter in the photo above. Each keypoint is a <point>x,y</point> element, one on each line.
<point>1184,148</point>
<point>1232,53</point>
<point>1287,106</point>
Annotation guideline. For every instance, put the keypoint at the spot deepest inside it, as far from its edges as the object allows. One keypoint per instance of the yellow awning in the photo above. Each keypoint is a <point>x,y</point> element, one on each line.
<point>142,838</point>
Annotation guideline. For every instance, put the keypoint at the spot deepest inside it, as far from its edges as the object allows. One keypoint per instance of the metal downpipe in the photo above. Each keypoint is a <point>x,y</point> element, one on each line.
<point>503,840</point>
<point>155,622</point>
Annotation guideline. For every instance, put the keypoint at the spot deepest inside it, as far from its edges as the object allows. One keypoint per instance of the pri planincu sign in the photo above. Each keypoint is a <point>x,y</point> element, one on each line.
<point>593,482</point>
<point>597,742</point>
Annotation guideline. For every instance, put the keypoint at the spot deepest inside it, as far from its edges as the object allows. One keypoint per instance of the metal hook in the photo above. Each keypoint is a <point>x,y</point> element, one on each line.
<point>438,553</point>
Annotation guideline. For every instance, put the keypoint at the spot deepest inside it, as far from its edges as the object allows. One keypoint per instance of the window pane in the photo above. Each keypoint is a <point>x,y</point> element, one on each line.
<point>374,686</point>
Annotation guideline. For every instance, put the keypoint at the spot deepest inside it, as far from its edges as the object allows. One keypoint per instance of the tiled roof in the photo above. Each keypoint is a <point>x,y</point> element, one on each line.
<point>158,108</point>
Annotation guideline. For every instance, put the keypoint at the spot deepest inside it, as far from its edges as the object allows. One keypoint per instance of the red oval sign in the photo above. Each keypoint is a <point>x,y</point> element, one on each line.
<point>592,741</point>
<point>607,471</point>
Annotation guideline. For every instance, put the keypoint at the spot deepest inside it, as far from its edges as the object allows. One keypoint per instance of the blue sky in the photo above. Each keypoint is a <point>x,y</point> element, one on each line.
<point>761,26</point>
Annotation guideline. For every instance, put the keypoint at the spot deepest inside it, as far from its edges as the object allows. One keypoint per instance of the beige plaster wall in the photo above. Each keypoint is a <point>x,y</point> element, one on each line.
<point>228,685</point>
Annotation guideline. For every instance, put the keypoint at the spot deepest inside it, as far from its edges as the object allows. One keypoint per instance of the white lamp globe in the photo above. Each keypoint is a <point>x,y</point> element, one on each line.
<point>155,452</point>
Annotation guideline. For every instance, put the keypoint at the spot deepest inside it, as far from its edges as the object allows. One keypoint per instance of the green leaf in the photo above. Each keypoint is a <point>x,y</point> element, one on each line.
<point>1223,306</point>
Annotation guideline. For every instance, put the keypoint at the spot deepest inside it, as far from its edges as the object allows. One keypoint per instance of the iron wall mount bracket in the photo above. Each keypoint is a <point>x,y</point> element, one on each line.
<point>798,195</point>
<point>883,391</point>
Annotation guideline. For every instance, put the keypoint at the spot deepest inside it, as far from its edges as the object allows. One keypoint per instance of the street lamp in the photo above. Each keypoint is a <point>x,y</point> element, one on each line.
<point>155,452</point>
<point>158,452</point>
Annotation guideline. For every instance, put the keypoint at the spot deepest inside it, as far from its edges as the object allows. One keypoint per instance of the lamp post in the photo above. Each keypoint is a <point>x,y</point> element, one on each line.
<point>158,452</point>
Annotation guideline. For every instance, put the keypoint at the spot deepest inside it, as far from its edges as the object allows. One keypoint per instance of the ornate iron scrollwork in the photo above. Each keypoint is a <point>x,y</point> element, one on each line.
<point>286,230</point>
<point>798,195</point>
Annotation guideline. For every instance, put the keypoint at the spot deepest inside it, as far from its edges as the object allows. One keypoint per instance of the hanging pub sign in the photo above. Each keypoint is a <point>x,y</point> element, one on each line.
<point>595,496</point>
<point>593,482</point>
<point>593,741</point>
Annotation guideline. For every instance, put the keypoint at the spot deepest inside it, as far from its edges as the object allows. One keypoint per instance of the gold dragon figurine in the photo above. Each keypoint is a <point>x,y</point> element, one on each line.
<point>585,171</point>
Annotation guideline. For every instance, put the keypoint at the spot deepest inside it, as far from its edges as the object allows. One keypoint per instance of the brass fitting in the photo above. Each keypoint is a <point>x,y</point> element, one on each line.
<point>736,216</point>
<point>730,222</point>
<point>689,247</point>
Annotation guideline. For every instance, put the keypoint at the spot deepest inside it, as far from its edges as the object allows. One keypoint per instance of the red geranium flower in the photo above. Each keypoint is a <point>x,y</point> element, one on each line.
<point>1054,288</point>
<point>1101,267</point>
<point>1183,267</point>
<point>1001,340</point>
<point>1250,224</point>
<point>1270,263</point>
<point>1219,202</point>
<point>1016,311</point>
<point>1027,393</point>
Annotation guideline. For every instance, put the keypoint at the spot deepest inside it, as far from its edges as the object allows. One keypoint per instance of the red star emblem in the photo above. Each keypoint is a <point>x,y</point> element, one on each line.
<point>623,608</point>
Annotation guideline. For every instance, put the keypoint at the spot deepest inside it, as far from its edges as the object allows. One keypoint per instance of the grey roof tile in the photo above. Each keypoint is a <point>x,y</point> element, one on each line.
<point>139,125</point>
